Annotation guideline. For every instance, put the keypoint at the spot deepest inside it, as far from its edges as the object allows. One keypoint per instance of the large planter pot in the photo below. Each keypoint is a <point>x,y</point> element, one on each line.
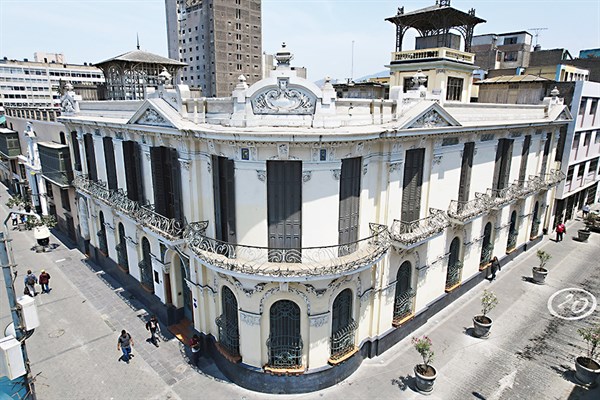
<point>539,275</point>
<point>481,326</point>
<point>586,371</point>
<point>583,235</point>
<point>425,378</point>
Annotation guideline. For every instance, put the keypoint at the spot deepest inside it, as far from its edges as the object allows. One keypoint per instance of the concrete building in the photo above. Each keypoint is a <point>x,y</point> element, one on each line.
<point>299,232</point>
<point>506,51</point>
<point>219,40</point>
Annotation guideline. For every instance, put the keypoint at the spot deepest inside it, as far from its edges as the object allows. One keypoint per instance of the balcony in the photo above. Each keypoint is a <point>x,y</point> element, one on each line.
<point>55,160</point>
<point>463,212</point>
<point>501,197</point>
<point>169,228</point>
<point>553,178</point>
<point>433,54</point>
<point>526,188</point>
<point>9,143</point>
<point>406,235</point>
<point>288,263</point>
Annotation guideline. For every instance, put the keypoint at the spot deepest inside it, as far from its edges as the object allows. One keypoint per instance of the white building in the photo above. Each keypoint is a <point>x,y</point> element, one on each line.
<point>299,232</point>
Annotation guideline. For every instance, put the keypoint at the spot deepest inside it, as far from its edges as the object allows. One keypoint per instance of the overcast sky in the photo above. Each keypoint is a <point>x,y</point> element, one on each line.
<point>318,32</point>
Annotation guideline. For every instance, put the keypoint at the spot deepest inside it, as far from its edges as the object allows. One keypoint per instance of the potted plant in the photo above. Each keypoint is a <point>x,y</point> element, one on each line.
<point>482,323</point>
<point>583,234</point>
<point>587,369</point>
<point>592,222</point>
<point>425,374</point>
<point>539,273</point>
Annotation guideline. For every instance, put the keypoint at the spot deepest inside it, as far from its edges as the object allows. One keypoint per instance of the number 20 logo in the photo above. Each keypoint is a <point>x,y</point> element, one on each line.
<point>575,304</point>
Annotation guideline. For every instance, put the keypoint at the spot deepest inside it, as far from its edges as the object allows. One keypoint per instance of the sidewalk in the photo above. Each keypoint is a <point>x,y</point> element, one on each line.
<point>529,354</point>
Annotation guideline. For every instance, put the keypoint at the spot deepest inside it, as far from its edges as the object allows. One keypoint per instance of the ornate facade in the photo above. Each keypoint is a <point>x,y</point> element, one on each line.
<point>299,232</point>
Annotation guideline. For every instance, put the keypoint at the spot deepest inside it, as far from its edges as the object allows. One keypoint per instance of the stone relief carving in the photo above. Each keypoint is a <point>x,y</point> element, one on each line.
<point>271,291</point>
<point>306,175</point>
<point>151,117</point>
<point>284,100</point>
<point>336,174</point>
<point>437,159</point>
<point>360,146</point>
<point>365,169</point>
<point>261,175</point>
<point>185,164</point>
<point>211,147</point>
<point>317,292</point>
<point>430,119</point>
<point>318,320</point>
<point>283,151</point>
<point>395,166</point>
<point>249,318</point>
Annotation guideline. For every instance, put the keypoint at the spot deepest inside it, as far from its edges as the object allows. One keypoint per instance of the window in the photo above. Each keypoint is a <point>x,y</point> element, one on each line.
<point>454,89</point>
<point>510,40</point>
<point>227,323</point>
<point>405,295</point>
<point>285,343</point>
<point>511,242</point>
<point>453,273</point>
<point>343,326</point>
<point>146,266</point>
<point>64,198</point>
<point>511,56</point>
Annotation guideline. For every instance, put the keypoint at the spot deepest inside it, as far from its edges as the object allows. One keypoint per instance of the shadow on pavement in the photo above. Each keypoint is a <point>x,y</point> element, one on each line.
<point>405,382</point>
<point>478,396</point>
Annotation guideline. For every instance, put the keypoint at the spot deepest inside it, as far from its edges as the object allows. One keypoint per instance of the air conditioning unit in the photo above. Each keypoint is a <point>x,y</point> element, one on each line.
<point>28,312</point>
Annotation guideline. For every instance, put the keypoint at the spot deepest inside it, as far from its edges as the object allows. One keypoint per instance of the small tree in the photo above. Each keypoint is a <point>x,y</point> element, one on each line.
<point>488,301</point>
<point>47,220</point>
<point>423,347</point>
<point>18,202</point>
<point>591,336</point>
<point>543,257</point>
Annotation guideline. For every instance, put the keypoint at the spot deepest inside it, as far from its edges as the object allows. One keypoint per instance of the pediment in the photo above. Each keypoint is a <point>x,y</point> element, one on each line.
<point>564,115</point>
<point>433,116</point>
<point>150,115</point>
<point>283,98</point>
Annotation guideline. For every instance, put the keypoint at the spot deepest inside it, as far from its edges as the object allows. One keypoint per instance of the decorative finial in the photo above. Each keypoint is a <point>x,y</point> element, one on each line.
<point>283,56</point>
<point>241,78</point>
<point>164,77</point>
<point>554,92</point>
<point>138,40</point>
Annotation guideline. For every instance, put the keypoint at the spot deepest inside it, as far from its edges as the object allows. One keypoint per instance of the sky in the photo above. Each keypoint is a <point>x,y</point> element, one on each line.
<point>320,33</point>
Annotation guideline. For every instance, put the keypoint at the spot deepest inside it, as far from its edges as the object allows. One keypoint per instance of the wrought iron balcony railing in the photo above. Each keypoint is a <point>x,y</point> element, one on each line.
<point>170,228</point>
<point>146,273</point>
<point>553,178</point>
<point>512,240</point>
<point>229,337</point>
<point>464,211</point>
<point>453,275</point>
<point>122,258</point>
<point>535,228</point>
<point>501,197</point>
<point>343,341</point>
<point>410,234</point>
<point>486,255</point>
<point>284,353</point>
<point>103,246</point>
<point>526,188</point>
<point>306,261</point>
<point>404,305</point>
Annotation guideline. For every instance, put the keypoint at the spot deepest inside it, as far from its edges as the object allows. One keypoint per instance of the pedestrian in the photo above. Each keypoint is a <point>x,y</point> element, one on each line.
<point>585,210</point>
<point>30,281</point>
<point>495,267</point>
<point>195,346</point>
<point>152,326</point>
<point>560,230</point>
<point>124,344</point>
<point>44,280</point>
<point>14,219</point>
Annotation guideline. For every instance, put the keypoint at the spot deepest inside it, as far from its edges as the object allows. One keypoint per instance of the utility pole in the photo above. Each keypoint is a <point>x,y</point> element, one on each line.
<point>5,261</point>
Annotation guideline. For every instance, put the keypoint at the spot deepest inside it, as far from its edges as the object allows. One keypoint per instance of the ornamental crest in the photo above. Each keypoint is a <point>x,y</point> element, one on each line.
<point>284,100</point>
<point>151,117</point>
<point>430,119</point>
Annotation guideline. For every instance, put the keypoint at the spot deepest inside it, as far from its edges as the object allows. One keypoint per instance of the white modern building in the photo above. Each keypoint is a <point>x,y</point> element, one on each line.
<point>301,233</point>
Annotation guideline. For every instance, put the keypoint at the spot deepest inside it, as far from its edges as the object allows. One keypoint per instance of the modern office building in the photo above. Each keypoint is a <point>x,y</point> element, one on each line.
<point>218,40</point>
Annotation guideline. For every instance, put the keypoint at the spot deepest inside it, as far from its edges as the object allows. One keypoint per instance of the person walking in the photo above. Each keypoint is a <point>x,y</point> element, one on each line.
<point>124,344</point>
<point>14,218</point>
<point>495,267</point>
<point>44,281</point>
<point>195,346</point>
<point>152,326</point>
<point>560,230</point>
<point>585,210</point>
<point>30,281</point>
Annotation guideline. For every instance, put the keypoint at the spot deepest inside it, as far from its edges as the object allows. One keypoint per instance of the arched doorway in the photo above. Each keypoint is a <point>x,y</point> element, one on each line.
<point>102,245</point>
<point>229,336</point>
<point>285,342</point>
<point>511,242</point>
<point>454,265</point>
<point>343,326</point>
<point>122,257</point>
<point>146,266</point>
<point>404,298</point>
<point>487,247</point>
<point>535,222</point>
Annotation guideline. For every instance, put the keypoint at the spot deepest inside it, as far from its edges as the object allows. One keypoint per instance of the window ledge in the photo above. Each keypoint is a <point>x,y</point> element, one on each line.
<point>451,288</point>
<point>484,266</point>
<point>397,323</point>
<point>284,371</point>
<point>343,358</point>
<point>231,358</point>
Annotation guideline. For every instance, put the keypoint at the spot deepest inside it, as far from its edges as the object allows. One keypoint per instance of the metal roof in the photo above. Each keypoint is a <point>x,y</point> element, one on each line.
<point>139,56</point>
<point>435,17</point>
<point>514,79</point>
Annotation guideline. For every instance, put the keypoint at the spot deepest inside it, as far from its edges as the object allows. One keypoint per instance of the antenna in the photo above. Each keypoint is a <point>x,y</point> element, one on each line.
<point>138,40</point>
<point>537,33</point>
<point>352,64</point>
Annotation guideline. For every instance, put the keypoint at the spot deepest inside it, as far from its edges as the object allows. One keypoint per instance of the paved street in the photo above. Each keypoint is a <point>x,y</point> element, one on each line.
<point>529,354</point>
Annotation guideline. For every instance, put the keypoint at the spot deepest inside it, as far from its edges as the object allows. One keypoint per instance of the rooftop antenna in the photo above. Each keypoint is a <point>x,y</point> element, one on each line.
<point>138,40</point>
<point>537,33</point>
<point>352,64</point>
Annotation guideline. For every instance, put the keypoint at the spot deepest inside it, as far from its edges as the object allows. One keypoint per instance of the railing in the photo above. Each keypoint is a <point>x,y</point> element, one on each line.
<point>526,188</point>
<point>403,305</point>
<point>306,261</point>
<point>501,197</point>
<point>553,178</point>
<point>486,255</point>
<point>410,233</point>
<point>142,214</point>
<point>439,52</point>
<point>103,246</point>
<point>535,228</point>
<point>229,337</point>
<point>466,210</point>
<point>512,240</point>
<point>343,341</point>
<point>283,354</point>
<point>453,274</point>
<point>122,258</point>
<point>146,274</point>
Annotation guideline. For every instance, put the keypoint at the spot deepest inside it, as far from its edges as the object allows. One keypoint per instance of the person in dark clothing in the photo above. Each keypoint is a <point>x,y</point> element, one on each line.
<point>152,326</point>
<point>124,344</point>
<point>195,345</point>
<point>495,267</point>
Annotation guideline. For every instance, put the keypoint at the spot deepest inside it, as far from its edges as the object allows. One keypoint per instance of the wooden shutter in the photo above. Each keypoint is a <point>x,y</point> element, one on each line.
<point>465,172</point>
<point>349,200</point>
<point>411,185</point>
<point>175,183</point>
<point>139,178</point>
<point>158,180</point>
<point>90,156</point>
<point>224,197</point>
<point>284,204</point>
<point>76,153</point>
<point>506,161</point>
<point>524,156</point>
<point>546,152</point>
<point>109,159</point>
<point>498,164</point>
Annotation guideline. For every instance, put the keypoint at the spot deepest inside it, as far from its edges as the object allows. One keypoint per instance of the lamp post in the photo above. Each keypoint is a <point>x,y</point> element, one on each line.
<point>17,318</point>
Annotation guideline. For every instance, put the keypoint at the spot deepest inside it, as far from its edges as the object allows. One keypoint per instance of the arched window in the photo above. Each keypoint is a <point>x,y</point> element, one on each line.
<point>63,139</point>
<point>454,265</point>
<point>487,247</point>
<point>405,295</point>
<point>146,266</point>
<point>343,326</point>
<point>122,258</point>
<point>229,336</point>
<point>535,221</point>
<point>285,343</point>
<point>511,243</point>
<point>102,246</point>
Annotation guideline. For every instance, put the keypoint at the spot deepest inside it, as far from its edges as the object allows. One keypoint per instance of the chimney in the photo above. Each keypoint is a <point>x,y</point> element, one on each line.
<point>537,47</point>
